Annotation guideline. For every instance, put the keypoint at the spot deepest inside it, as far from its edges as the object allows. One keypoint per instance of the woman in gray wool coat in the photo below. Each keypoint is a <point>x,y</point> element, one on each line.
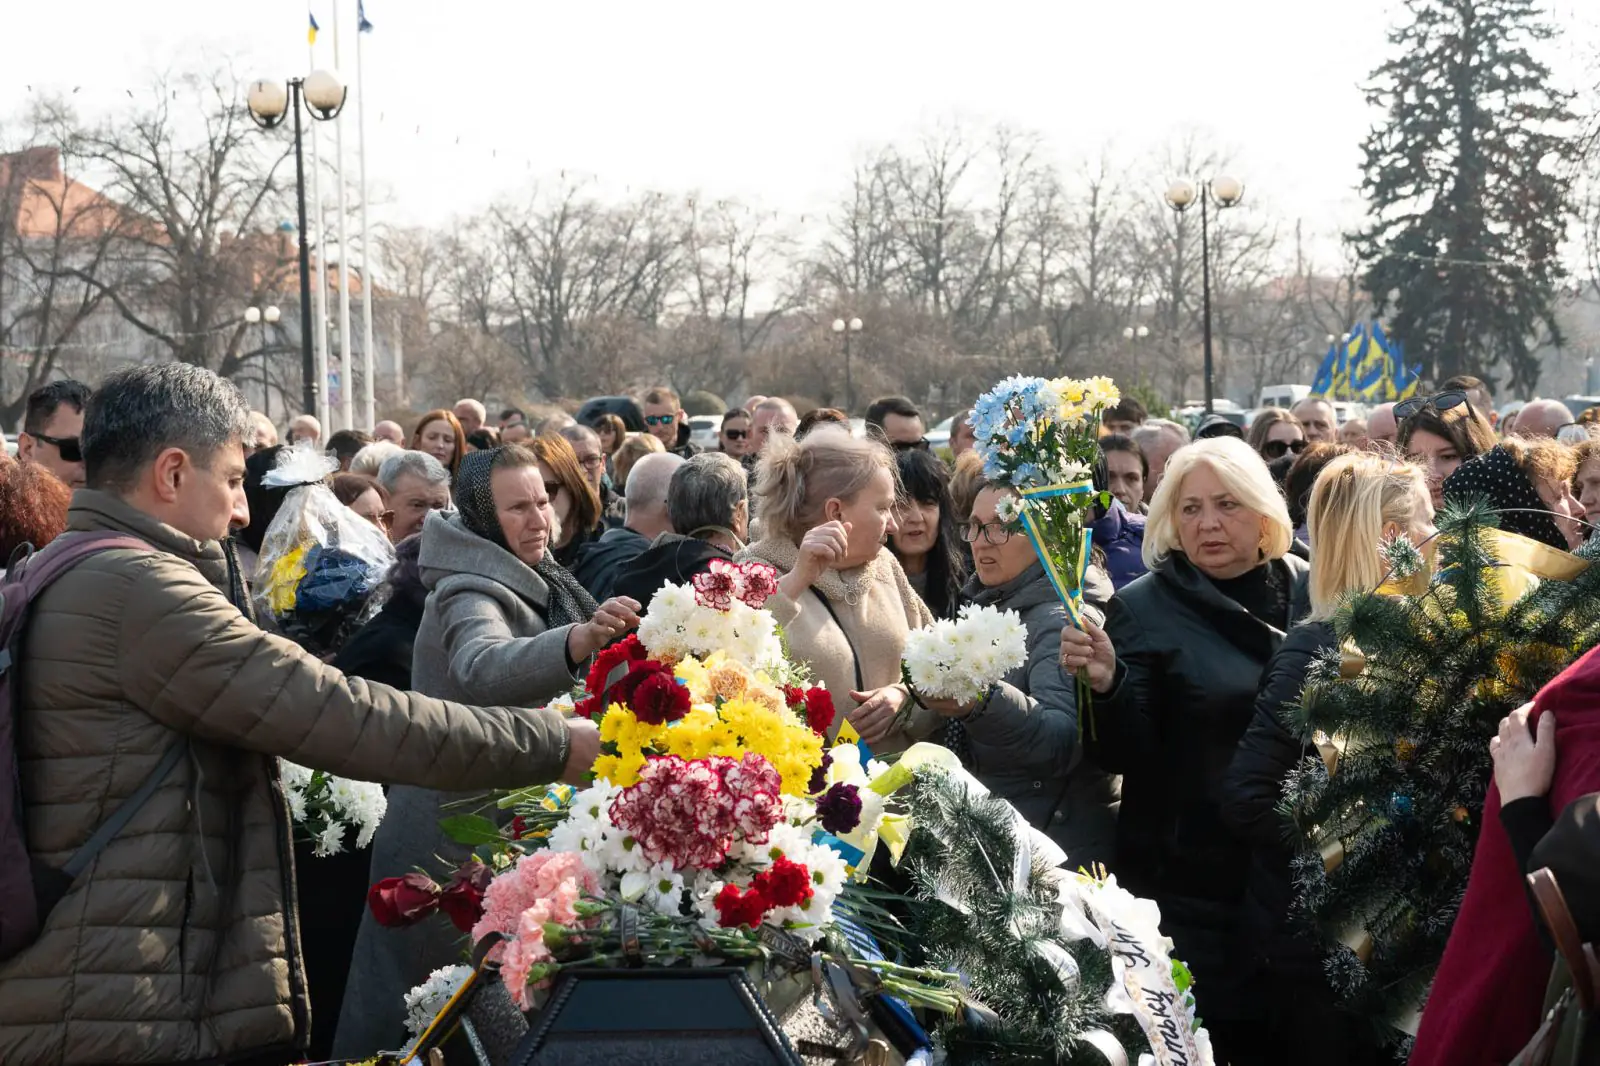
<point>1021,739</point>
<point>504,622</point>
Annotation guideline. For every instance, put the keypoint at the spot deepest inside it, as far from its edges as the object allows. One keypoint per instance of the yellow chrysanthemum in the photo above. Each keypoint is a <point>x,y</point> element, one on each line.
<point>692,672</point>
<point>283,580</point>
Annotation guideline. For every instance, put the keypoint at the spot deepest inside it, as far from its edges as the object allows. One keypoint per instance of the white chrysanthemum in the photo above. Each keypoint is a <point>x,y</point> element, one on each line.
<point>959,660</point>
<point>294,775</point>
<point>424,1002</point>
<point>297,805</point>
<point>330,841</point>
<point>664,891</point>
<point>704,894</point>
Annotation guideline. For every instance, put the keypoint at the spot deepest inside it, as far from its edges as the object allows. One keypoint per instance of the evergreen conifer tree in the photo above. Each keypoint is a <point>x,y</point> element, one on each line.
<point>1468,178</point>
<point>1412,699</point>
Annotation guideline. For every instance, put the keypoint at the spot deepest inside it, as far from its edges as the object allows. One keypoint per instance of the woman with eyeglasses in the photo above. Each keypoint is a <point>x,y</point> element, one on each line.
<point>503,624</point>
<point>1359,500</point>
<point>1276,433</point>
<point>366,497</point>
<point>1175,673</point>
<point>1439,433</point>
<point>1021,740</point>
<point>573,498</point>
<point>734,436</point>
<point>925,539</point>
<point>826,505</point>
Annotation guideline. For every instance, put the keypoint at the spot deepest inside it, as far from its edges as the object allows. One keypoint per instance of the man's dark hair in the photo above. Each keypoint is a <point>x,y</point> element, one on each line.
<point>1467,383</point>
<point>345,443</point>
<point>1126,409</point>
<point>46,400</point>
<point>511,412</point>
<point>141,411</point>
<point>884,406</point>
<point>1116,442</point>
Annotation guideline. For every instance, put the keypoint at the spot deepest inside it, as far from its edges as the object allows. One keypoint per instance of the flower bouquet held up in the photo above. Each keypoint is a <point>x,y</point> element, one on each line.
<point>962,660</point>
<point>1041,438</point>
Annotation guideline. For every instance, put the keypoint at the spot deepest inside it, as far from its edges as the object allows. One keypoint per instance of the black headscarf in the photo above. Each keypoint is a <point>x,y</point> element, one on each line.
<point>1496,476</point>
<point>570,603</point>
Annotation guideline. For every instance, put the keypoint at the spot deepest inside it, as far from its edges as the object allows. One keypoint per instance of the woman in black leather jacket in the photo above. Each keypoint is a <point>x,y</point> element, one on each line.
<point>1358,501</point>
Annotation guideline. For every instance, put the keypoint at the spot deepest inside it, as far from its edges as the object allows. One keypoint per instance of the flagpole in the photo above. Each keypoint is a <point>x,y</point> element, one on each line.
<point>347,399</point>
<point>368,407</point>
<point>321,333</point>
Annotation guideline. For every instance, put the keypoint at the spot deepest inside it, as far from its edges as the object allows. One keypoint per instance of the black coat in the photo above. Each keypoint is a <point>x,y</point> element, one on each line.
<point>671,560</point>
<point>1284,964</point>
<point>381,650</point>
<point>1189,663</point>
<point>601,560</point>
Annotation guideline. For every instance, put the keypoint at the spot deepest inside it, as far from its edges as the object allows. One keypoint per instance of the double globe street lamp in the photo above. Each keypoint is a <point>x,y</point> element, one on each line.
<point>845,330</point>
<point>270,102</point>
<point>1222,192</point>
<point>267,316</point>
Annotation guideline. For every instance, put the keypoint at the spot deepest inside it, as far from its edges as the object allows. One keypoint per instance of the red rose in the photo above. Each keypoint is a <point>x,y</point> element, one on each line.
<point>659,698</point>
<point>462,903</point>
<point>784,883</point>
<point>819,710</point>
<point>735,908</point>
<point>397,902</point>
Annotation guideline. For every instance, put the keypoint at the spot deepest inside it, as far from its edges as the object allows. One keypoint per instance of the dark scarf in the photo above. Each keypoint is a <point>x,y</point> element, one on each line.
<point>1496,476</point>
<point>570,603</point>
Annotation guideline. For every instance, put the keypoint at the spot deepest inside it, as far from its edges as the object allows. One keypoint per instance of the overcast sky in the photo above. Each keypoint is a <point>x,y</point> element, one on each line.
<point>771,103</point>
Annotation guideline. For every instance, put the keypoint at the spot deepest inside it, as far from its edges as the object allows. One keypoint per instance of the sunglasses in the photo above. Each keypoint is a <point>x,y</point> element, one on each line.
<point>660,420</point>
<point>736,434</point>
<point>1277,449</point>
<point>69,448</point>
<point>1440,402</point>
<point>911,445</point>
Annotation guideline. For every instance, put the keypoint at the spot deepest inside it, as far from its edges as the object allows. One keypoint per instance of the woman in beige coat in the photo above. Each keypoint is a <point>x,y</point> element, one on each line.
<point>826,506</point>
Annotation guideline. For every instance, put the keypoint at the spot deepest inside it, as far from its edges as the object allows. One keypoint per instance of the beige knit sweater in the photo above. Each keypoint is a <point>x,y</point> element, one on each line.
<point>871,631</point>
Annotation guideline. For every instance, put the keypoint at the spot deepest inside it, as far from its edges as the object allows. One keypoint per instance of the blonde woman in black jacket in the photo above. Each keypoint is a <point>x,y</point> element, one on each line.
<point>1357,502</point>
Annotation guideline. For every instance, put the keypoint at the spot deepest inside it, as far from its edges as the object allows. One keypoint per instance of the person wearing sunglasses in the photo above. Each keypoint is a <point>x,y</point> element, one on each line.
<point>734,436</point>
<point>667,421</point>
<point>898,423</point>
<point>1439,433</point>
<point>1276,433</point>
<point>50,430</point>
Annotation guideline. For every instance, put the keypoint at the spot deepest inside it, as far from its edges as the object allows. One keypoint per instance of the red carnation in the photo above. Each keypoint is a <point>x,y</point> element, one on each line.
<point>785,883</point>
<point>794,696</point>
<point>590,707</point>
<point>735,908</point>
<point>659,698</point>
<point>622,692</point>
<point>462,902</point>
<point>819,710</point>
<point>606,661</point>
<point>397,902</point>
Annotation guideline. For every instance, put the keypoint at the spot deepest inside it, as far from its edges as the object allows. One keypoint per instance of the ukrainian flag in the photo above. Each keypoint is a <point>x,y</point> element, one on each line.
<point>311,34</point>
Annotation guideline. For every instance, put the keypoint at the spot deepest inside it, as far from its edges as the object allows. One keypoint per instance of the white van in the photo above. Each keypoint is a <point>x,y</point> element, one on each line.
<point>1283,395</point>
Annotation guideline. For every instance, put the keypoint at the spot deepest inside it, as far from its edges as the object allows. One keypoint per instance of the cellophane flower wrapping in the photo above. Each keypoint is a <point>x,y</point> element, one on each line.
<point>962,659</point>
<point>320,562</point>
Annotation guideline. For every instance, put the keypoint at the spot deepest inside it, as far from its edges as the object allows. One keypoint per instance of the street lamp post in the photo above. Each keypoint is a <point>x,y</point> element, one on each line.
<point>267,316</point>
<point>1224,192</point>
<point>846,330</point>
<point>270,102</point>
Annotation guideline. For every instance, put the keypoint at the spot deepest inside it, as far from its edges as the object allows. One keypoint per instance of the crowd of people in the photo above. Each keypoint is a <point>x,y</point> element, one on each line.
<point>200,933</point>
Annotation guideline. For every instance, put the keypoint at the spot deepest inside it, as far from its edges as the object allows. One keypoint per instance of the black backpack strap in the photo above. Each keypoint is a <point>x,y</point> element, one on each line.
<point>126,810</point>
<point>855,659</point>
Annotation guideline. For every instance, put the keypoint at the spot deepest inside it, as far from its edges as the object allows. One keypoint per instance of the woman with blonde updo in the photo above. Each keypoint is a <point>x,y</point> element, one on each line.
<point>1358,502</point>
<point>826,506</point>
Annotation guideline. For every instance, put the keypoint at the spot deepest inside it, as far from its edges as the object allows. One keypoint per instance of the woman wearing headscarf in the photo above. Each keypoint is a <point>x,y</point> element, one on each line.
<point>1175,674</point>
<point>1529,484</point>
<point>504,624</point>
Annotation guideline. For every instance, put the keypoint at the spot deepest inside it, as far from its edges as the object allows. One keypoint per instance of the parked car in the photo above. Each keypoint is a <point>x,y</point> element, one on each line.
<point>705,432</point>
<point>939,436</point>
<point>624,407</point>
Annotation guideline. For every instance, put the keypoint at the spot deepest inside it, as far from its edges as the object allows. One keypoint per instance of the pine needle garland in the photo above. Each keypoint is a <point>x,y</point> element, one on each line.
<point>1388,836</point>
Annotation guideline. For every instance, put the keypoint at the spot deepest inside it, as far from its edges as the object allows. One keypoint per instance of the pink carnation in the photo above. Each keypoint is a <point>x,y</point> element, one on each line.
<point>689,813</point>
<point>555,878</point>
<point>524,953</point>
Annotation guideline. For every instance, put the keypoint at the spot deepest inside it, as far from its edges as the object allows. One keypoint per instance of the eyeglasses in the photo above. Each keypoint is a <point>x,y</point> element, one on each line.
<point>660,420</point>
<point>736,434</point>
<point>383,519</point>
<point>71,451</point>
<point>911,446</point>
<point>593,462</point>
<point>1277,449</point>
<point>996,533</point>
<point>1440,402</point>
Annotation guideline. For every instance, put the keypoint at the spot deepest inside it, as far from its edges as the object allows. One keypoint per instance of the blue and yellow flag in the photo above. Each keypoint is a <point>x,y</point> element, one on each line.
<point>1366,365</point>
<point>362,25</point>
<point>311,34</point>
